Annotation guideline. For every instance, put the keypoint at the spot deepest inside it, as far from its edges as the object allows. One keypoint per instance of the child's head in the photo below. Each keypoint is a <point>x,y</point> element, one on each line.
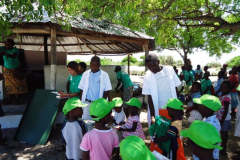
<point>205,68</point>
<point>95,64</point>
<point>225,86</point>
<point>134,148</point>
<point>198,67</point>
<point>220,74</point>
<point>234,70</point>
<point>196,87</point>
<point>73,108</point>
<point>9,44</point>
<point>189,67</point>
<point>175,108</point>
<point>181,76</point>
<point>230,72</point>
<point>72,68</point>
<point>117,69</point>
<point>134,105</point>
<point>82,67</point>
<point>183,68</point>
<point>117,103</point>
<point>100,110</point>
<point>207,105</point>
<point>203,138</point>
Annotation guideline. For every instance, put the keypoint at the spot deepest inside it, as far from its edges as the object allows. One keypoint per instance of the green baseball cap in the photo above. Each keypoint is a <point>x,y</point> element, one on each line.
<point>203,134</point>
<point>238,88</point>
<point>71,104</point>
<point>174,103</point>
<point>209,101</point>
<point>117,102</point>
<point>100,108</point>
<point>134,102</point>
<point>134,148</point>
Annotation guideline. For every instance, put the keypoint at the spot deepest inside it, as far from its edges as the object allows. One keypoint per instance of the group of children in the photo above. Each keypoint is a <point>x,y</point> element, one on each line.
<point>102,142</point>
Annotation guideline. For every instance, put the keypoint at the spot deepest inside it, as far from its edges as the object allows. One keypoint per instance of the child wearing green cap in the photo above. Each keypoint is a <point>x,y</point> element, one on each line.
<point>73,130</point>
<point>203,139</point>
<point>101,142</point>
<point>223,114</point>
<point>118,115</point>
<point>175,111</point>
<point>134,148</point>
<point>133,125</point>
<point>208,105</point>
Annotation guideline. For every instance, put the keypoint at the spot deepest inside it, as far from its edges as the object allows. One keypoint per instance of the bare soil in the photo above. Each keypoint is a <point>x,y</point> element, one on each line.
<point>20,151</point>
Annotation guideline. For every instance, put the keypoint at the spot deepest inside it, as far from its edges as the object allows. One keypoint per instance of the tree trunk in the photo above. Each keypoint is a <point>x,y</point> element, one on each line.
<point>185,59</point>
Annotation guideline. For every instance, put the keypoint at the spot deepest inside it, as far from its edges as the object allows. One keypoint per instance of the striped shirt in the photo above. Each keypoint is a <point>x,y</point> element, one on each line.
<point>129,124</point>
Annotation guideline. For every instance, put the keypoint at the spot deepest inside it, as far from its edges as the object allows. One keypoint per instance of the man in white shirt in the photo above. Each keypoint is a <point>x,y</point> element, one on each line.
<point>95,83</point>
<point>160,84</point>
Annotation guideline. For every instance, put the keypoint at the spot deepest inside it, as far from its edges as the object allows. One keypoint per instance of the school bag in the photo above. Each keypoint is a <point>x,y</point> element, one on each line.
<point>159,129</point>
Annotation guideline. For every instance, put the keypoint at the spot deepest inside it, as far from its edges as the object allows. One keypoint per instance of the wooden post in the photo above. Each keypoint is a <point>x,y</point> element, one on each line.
<point>45,50</point>
<point>128,64</point>
<point>145,48</point>
<point>53,58</point>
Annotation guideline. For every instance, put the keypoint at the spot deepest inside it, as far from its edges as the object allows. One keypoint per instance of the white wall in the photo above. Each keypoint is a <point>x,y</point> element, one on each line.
<point>62,75</point>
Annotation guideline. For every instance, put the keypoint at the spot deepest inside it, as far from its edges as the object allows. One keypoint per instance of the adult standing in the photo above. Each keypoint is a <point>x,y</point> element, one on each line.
<point>198,72</point>
<point>127,87</point>
<point>233,92</point>
<point>206,84</point>
<point>95,83</point>
<point>224,69</point>
<point>160,83</point>
<point>73,81</point>
<point>15,81</point>
<point>188,77</point>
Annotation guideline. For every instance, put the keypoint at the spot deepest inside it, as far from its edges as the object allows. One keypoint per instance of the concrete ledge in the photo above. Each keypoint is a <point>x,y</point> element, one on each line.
<point>10,121</point>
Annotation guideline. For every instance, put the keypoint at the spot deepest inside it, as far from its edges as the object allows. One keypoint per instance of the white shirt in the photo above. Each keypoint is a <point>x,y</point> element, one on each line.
<point>163,87</point>
<point>150,87</point>
<point>119,117</point>
<point>105,84</point>
<point>72,134</point>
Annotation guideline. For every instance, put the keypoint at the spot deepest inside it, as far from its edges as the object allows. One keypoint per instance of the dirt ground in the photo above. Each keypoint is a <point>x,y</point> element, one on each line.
<point>20,151</point>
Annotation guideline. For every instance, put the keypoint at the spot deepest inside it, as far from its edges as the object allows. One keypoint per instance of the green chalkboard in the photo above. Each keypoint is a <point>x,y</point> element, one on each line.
<point>36,123</point>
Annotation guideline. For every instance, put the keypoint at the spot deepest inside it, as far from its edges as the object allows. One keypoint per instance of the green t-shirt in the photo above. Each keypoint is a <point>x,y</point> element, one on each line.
<point>10,63</point>
<point>74,82</point>
<point>204,85</point>
<point>124,77</point>
<point>187,76</point>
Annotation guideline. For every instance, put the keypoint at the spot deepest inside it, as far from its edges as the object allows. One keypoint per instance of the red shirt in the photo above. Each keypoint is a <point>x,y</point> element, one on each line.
<point>233,79</point>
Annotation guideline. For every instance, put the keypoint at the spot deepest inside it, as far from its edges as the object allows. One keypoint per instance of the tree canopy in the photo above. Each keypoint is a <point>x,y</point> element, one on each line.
<point>234,62</point>
<point>181,25</point>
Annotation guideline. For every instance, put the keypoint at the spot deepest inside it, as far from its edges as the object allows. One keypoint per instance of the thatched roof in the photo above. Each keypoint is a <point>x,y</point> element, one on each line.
<point>85,36</point>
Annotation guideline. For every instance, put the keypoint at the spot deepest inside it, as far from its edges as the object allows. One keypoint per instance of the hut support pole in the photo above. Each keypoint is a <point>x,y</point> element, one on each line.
<point>53,58</point>
<point>145,48</point>
<point>128,64</point>
<point>45,50</point>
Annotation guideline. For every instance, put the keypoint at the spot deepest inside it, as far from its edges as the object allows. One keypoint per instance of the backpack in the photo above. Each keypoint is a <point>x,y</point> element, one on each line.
<point>159,129</point>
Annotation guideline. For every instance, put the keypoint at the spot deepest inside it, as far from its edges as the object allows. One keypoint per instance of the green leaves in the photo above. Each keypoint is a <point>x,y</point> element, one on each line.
<point>234,62</point>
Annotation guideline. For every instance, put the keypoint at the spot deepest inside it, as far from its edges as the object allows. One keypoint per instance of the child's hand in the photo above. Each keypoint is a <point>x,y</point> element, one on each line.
<point>62,94</point>
<point>120,129</point>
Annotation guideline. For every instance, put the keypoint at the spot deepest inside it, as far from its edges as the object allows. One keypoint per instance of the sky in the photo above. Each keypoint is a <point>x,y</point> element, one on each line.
<point>201,58</point>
